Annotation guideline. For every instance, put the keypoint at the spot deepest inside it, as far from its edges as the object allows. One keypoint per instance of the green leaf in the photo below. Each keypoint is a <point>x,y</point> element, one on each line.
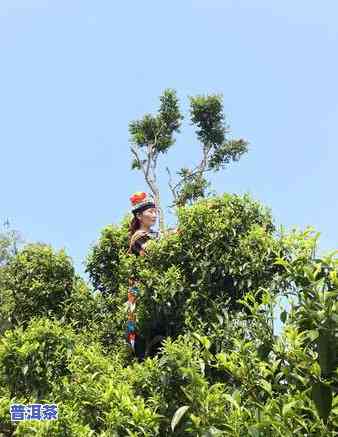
<point>231,400</point>
<point>330,294</point>
<point>25,369</point>
<point>237,396</point>
<point>203,340</point>
<point>253,431</point>
<point>283,316</point>
<point>288,407</point>
<point>322,397</point>
<point>266,386</point>
<point>211,432</point>
<point>95,374</point>
<point>326,352</point>
<point>178,416</point>
<point>313,334</point>
<point>282,262</point>
<point>221,358</point>
<point>202,366</point>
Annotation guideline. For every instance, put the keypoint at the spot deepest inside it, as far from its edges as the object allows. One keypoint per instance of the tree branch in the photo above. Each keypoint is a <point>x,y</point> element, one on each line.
<point>151,182</point>
<point>195,172</point>
<point>149,157</point>
<point>170,185</point>
<point>200,168</point>
<point>145,172</point>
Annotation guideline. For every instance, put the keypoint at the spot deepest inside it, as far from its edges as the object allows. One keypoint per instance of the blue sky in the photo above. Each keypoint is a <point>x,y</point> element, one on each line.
<point>75,73</point>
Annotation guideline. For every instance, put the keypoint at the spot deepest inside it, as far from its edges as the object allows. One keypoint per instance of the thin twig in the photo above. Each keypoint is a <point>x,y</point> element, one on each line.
<point>170,184</point>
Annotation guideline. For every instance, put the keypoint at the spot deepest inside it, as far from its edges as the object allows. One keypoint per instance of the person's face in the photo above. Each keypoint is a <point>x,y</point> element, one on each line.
<point>148,217</point>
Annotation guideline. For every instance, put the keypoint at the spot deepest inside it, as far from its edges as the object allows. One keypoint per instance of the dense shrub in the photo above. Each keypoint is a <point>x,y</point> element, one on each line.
<point>36,282</point>
<point>226,247</point>
<point>33,358</point>
<point>212,290</point>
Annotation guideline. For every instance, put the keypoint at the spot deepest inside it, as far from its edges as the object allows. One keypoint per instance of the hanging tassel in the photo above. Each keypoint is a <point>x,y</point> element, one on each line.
<point>131,340</point>
<point>133,292</point>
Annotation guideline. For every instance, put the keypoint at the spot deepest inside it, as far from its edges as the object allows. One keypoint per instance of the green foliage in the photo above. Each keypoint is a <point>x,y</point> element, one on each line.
<point>103,260</point>
<point>226,247</point>
<point>33,358</point>
<point>154,134</point>
<point>192,187</point>
<point>9,242</point>
<point>210,291</point>
<point>36,282</point>
<point>206,113</point>
<point>158,130</point>
<point>315,315</point>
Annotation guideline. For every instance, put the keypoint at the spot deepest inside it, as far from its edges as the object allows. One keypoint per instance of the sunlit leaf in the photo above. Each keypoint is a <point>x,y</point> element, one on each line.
<point>178,416</point>
<point>322,397</point>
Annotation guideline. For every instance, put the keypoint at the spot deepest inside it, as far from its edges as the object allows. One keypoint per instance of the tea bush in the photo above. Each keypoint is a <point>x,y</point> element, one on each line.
<point>211,291</point>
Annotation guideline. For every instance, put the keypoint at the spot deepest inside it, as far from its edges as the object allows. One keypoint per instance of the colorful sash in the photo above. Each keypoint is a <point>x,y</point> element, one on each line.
<point>133,292</point>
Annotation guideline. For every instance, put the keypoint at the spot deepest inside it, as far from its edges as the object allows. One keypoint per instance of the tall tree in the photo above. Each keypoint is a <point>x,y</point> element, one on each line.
<point>155,135</point>
<point>206,114</point>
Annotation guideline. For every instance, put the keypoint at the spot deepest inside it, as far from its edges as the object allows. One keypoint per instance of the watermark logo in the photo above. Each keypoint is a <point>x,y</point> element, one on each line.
<point>33,412</point>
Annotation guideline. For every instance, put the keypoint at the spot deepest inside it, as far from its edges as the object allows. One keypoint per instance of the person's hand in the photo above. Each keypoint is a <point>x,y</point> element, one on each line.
<point>143,248</point>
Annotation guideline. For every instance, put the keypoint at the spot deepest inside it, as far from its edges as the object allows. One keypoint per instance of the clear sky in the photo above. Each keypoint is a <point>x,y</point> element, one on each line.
<point>74,73</point>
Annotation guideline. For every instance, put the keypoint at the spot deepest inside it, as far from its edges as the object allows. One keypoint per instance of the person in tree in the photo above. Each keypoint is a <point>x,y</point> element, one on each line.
<point>144,213</point>
<point>140,232</point>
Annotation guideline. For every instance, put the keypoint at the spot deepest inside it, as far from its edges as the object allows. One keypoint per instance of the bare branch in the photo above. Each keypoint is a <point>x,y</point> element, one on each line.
<point>200,168</point>
<point>151,179</point>
<point>153,167</point>
<point>206,150</point>
<point>145,171</point>
<point>170,184</point>
<point>149,157</point>
<point>138,159</point>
